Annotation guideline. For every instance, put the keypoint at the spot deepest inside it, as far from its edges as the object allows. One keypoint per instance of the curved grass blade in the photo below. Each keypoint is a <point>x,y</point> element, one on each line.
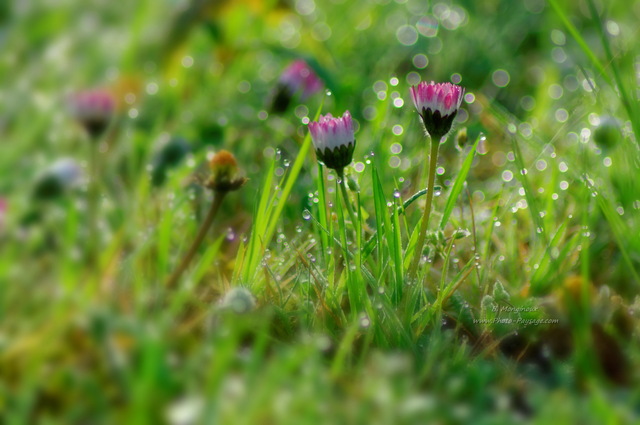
<point>459,184</point>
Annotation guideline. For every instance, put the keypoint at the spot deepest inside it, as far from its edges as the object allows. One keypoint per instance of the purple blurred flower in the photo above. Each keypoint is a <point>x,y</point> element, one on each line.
<point>438,105</point>
<point>333,140</point>
<point>298,77</point>
<point>94,109</point>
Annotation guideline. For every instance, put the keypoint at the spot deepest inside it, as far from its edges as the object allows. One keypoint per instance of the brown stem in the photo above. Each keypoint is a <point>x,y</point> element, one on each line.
<point>202,232</point>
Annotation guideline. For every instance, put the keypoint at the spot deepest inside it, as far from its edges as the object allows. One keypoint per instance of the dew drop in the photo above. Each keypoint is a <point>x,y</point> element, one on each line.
<point>365,322</point>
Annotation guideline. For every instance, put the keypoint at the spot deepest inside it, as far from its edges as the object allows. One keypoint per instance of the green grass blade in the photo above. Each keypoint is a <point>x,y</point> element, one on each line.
<point>459,184</point>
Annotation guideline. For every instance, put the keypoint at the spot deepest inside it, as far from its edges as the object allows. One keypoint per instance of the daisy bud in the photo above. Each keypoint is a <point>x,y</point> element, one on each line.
<point>437,105</point>
<point>296,78</point>
<point>224,173</point>
<point>333,140</point>
<point>94,109</point>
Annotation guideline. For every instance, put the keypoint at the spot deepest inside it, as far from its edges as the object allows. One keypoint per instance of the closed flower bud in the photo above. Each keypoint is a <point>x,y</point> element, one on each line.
<point>437,105</point>
<point>333,140</point>
<point>461,234</point>
<point>94,109</point>
<point>224,173</point>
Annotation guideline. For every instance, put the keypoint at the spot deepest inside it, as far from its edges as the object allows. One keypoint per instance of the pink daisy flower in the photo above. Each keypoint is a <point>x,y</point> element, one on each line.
<point>333,140</point>
<point>438,105</point>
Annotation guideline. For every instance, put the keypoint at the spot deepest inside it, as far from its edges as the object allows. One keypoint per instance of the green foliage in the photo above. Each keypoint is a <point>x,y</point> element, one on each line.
<point>298,307</point>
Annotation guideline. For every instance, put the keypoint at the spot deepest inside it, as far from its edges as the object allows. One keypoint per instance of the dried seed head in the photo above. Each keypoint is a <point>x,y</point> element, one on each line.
<point>224,173</point>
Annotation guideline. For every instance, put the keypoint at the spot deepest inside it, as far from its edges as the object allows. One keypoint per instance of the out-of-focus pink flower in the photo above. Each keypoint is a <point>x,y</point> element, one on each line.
<point>94,109</point>
<point>333,140</point>
<point>300,77</point>
<point>296,78</point>
<point>438,105</point>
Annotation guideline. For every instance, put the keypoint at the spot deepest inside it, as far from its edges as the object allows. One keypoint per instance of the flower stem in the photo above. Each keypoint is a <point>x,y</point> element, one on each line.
<point>93,203</point>
<point>202,232</point>
<point>417,253</point>
<point>355,286</point>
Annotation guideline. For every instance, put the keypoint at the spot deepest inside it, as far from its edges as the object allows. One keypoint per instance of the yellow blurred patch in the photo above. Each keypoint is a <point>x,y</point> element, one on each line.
<point>126,87</point>
<point>572,289</point>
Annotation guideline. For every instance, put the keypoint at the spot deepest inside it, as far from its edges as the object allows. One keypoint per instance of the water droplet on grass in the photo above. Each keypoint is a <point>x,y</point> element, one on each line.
<point>365,322</point>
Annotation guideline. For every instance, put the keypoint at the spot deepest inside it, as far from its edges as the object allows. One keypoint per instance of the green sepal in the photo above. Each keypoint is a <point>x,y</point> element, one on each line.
<point>339,157</point>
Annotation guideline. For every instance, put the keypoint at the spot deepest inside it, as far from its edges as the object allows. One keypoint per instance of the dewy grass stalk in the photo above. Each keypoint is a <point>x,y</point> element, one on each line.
<point>357,286</point>
<point>345,197</point>
<point>322,213</point>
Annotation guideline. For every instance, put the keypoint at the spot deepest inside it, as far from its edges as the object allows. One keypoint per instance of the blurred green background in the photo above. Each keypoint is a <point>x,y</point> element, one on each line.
<point>551,88</point>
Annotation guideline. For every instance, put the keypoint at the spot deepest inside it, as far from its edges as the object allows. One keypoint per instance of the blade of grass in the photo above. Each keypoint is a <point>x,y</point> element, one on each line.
<point>459,184</point>
<point>322,212</point>
<point>259,224</point>
<point>627,103</point>
<point>618,228</point>
<point>528,191</point>
<point>578,38</point>
<point>293,177</point>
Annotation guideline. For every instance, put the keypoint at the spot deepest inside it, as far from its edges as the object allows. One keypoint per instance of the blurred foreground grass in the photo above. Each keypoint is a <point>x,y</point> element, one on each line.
<point>531,316</point>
